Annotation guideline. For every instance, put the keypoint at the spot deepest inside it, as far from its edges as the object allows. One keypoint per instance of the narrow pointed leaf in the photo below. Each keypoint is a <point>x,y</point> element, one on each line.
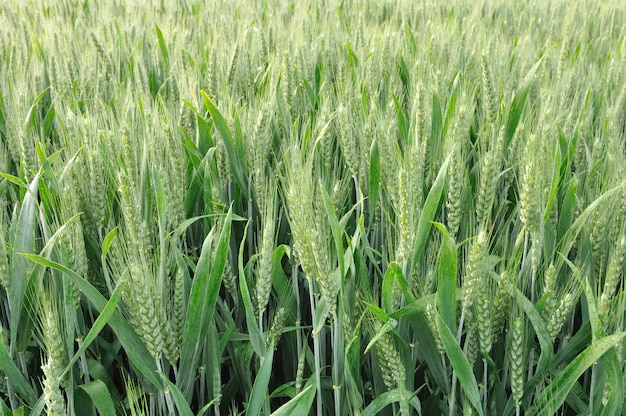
<point>555,393</point>
<point>23,240</point>
<point>97,326</point>
<point>380,402</point>
<point>429,213</point>
<point>138,354</point>
<point>201,305</point>
<point>446,282</point>
<point>259,389</point>
<point>299,405</point>
<point>460,364</point>
<point>100,397</point>
<point>181,404</point>
<point>20,383</point>
<point>236,165</point>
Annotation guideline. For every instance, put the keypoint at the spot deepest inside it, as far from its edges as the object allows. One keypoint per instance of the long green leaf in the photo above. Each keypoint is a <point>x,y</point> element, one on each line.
<point>106,245</point>
<point>610,360</point>
<point>429,212</point>
<point>14,179</point>
<point>236,166</point>
<point>386,327</point>
<point>255,334</point>
<point>556,182</point>
<point>554,394</point>
<point>98,325</point>
<point>451,107</point>
<point>568,238</point>
<point>381,401</point>
<point>23,241</point>
<point>353,353</point>
<point>5,409</point>
<point>299,405</point>
<point>334,227</point>
<point>519,101</point>
<point>100,397</point>
<point>567,211</point>
<point>374,180</point>
<point>416,311</point>
<point>259,389</point>
<point>436,122</point>
<point>163,47</point>
<point>201,305</point>
<point>29,116</point>
<point>402,123</point>
<point>391,276</point>
<point>460,364</point>
<point>181,404</point>
<point>322,309</point>
<point>137,352</point>
<point>15,376</point>
<point>446,282</point>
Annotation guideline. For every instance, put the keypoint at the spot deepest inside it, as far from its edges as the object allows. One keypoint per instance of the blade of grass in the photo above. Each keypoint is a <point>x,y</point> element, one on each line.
<point>567,211</point>
<point>554,394</point>
<point>259,389</point>
<point>429,212</point>
<point>568,238</point>
<point>334,227</point>
<point>18,380</point>
<point>416,312</point>
<point>436,123</point>
<point>23,240</point>
<point>255,335</point>
<point>518,103</point>
<point>380,402</point>
<point>201,305</point>
<point>179,399</point>
<point>299,405</point>
<point>454,94</point>
<point>238,169</point>
<point>446,282</point>
<point>374,181</point>
<point>138,354</point>
<point>391,276</point>
<point>539,326</point>
<point>163,47</point>
<point>97,326</point>
<point>610,360</point>
<point>100,397</point>
<point>460,364</point>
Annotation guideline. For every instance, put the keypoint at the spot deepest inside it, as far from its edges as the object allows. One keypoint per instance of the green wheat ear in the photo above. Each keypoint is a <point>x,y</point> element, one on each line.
<point>266,246</point>
<point>517,360</point>
<point>123,144</point>
<point>52,328</point>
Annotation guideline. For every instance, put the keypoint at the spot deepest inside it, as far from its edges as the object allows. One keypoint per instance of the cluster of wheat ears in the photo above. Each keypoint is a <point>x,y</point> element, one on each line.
<point>343,207</point>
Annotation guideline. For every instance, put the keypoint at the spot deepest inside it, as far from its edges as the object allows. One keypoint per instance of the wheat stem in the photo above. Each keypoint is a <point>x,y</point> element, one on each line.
<point>316,352</point>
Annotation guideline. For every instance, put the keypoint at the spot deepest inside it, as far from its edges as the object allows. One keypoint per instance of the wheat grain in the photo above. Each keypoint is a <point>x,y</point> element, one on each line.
<point>432,322</point>
<point>490,106</point>
<point>474,271</point>
<point>560,314</point>
<point>51,330</point>
<point>517,361</point>
<point>389,359</point>
<point>266,247</point>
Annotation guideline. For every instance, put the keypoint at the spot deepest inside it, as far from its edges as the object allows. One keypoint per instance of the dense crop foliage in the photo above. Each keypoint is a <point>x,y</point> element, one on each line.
<point>336,207</point>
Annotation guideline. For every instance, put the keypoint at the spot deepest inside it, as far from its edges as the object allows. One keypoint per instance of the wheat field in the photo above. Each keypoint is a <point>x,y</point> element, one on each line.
<point>343,207</point>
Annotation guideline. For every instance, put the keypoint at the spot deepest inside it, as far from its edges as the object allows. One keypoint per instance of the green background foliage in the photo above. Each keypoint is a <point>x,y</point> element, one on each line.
<point>337,207</point>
